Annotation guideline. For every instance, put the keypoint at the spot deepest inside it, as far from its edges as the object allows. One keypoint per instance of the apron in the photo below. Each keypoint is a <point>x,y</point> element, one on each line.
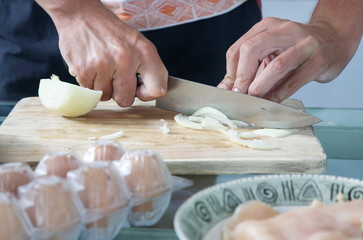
<point>28,49</point>
<point>197,51</point>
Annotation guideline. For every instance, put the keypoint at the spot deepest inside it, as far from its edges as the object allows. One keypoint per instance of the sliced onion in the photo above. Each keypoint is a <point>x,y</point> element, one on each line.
<point>209,118</point>
<point>165,128</point>
<point>255,144</point>
<point>214,113</point>
<point>195,119</point>
<point>247,135</point>
<point>272,132</point>
<point>212,124</point>
<point>183,121</point>
<point>240,123</point>
<point>112,136</point>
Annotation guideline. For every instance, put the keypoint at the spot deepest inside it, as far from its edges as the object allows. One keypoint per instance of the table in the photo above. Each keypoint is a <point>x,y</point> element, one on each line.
<point>340,133</point>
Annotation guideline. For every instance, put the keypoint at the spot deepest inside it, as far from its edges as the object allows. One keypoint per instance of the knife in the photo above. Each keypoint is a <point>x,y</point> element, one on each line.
<point>186,97</point>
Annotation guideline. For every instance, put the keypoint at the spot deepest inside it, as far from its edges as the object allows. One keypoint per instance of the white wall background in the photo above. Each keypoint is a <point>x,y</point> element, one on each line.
<point>346,91</point>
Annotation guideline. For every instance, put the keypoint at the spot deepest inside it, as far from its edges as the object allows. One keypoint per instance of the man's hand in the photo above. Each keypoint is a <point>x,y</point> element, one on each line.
<point>104,53</point>
<point>277,57</point>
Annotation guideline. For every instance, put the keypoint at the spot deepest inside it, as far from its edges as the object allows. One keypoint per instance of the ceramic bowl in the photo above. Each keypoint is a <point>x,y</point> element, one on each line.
<point>201,216</point>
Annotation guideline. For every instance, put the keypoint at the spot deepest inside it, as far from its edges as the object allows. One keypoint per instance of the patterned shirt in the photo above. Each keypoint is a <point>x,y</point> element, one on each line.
<point>155,14</point>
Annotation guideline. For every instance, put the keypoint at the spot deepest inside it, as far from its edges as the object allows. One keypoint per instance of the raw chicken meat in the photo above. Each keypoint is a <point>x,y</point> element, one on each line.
<point>340,221</point>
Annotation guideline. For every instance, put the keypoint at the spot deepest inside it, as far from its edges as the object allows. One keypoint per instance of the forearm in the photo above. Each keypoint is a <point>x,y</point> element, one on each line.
<point>344,18</point>
<point>63,12</point>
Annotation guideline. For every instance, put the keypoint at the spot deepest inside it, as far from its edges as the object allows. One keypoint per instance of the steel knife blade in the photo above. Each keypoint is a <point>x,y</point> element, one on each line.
<point>186,97</point>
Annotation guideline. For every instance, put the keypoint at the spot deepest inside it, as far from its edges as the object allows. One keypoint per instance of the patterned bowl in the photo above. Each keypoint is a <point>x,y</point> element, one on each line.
<point>201,215</point>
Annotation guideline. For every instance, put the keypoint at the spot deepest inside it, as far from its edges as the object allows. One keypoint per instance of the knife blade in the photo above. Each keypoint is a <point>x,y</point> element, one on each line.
<point>184,96</point>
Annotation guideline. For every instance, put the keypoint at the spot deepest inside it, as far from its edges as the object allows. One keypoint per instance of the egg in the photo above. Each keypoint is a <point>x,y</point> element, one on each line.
<point>52,208</point>
<point>12,220</point>
<point>58,164</point>
<point>149,180</point>
<point>104,150</point>
<point>13,175</point>
<point>103,196</point>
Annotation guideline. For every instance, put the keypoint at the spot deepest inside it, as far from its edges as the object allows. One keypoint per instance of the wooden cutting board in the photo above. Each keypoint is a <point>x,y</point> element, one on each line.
<point>30,131</point>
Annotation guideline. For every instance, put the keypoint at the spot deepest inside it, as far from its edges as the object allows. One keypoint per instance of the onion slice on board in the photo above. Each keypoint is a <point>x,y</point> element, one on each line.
<point>255,144</point>
<point>214,113</point>
<point>272,132</point>
<point>208,118</point>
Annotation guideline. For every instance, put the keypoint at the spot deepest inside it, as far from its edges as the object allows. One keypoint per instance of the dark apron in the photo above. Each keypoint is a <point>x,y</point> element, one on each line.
<point>29,46</point>
<point>197,50</point>
<point>28,49</point>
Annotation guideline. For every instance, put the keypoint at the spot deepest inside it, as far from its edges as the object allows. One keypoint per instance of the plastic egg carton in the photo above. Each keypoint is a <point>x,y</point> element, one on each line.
<point>51,208</point>
<point>93,197</point>
<point>105,199</point>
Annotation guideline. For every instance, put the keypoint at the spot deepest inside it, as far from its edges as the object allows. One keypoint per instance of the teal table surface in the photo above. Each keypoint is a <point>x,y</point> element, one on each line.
<point>340,134</point>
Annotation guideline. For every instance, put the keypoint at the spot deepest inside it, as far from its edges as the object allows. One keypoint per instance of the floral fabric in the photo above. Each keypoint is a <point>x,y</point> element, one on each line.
<point>154,14</point>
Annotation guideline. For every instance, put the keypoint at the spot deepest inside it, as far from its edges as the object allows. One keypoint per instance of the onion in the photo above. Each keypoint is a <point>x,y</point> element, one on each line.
<point>214,113</point>
<point>255,144</point>
<point>240,123</point>
<point>165,128</point>
<point>272,132</point>
<point>247,135</point>
<point>67,99</point>
<point>182,120</point>
<point>208,118</point>
<point>195,119</point>
<point>212,124</point>
<point>112,136</point>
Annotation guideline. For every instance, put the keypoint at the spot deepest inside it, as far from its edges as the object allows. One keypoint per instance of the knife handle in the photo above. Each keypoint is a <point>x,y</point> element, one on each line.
<point>139,81</point>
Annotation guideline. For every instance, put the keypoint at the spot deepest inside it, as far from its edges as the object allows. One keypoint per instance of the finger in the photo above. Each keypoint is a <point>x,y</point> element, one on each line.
<point>233,53</point>
<point>281,66</point>
<point>124,87</point>
<point>104,81</point>
<point>252,52</point>
<point>306,73</point>
<point>154,79</point>
<point>271,41</point>
<point>232,62</point>
<point>264,64</point>
<point>153,86</point>
<point>85,76</point>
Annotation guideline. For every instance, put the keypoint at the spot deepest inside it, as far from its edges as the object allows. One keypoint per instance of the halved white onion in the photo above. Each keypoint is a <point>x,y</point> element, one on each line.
<point>67,99</point>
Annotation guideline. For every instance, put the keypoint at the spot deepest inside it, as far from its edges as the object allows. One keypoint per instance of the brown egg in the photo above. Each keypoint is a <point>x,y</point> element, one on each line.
<point>103,195</point>
<point>58,164</point>
<point>12,220</point>
<point>149,180</point>
<point>51,207</point>
<point>13,175</point>
<point>104,150</point>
